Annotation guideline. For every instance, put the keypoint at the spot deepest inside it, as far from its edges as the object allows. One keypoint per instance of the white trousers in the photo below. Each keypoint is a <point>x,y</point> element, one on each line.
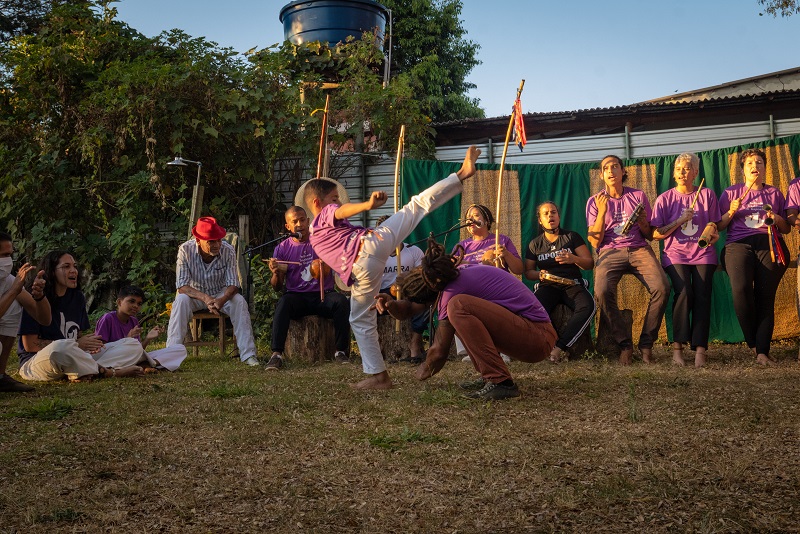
<point>236,308</point>
<point>170,358</point>
<point>64,357</point>
<point>376,247</point>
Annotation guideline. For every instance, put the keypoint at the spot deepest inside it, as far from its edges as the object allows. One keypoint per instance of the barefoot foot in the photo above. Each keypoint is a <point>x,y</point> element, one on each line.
<point>468,167</point>
<point>380,381</point>
<point>556,355</point>
<point>677,354</point>
<point>763,359</point>
<point>625,356</point>
<point>647,355</point>
<point>700,357</point>
<point>125,372</point>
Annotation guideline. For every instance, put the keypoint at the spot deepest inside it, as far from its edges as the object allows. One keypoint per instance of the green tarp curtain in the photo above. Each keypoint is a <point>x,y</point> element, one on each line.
<point>569,185</point>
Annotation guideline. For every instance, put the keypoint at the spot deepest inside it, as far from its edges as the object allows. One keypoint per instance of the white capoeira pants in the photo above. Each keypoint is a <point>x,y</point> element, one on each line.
<point>236,308</point>
<point>64,357</point>
<point>376,247</point>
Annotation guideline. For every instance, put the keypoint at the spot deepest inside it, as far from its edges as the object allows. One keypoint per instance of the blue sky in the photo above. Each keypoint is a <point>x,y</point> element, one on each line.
<point>573,54</point>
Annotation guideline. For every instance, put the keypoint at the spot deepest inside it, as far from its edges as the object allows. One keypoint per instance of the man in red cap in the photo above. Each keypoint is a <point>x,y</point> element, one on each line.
<point>206,278</point>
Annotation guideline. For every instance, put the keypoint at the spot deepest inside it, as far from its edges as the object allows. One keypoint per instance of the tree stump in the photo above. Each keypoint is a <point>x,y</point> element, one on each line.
<point>562,314</point>
<point>605,342</point>
<point>453,354</point>
<point>394,345</point>
<point>311,340</point>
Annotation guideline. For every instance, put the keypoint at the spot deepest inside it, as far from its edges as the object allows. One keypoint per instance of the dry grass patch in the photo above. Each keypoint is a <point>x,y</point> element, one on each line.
<point>589,446</point>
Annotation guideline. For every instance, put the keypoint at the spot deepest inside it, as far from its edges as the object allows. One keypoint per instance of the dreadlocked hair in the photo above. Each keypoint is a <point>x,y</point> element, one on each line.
<point>423,283</point>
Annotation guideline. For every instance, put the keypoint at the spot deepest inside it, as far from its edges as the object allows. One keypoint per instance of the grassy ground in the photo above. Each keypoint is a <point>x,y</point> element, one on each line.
<point>220,447</point>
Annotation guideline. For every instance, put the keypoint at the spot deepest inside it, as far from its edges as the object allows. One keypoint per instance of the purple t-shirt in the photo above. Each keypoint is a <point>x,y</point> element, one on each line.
<point>680,247</point>
<point>336,241</point>
<point>298,277</point>
<point>110,328</point>
<point>474,250</point>
<point>618,212</point>
<point>495,285</point>
<point>749,220</point>
<point>793,195</point>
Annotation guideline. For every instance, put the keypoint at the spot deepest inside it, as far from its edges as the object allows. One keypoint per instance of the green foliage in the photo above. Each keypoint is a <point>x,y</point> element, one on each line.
<point>784,8</point>
<point>20,17</point>
<point>430,49</point>
<point>91,110</point>
<point>264,300</point>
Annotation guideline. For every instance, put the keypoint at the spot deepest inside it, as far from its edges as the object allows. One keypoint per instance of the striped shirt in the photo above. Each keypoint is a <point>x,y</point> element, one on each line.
<point>210,278</point>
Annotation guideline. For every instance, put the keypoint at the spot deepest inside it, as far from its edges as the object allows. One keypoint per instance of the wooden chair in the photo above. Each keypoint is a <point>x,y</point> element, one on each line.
<point>196,332</point>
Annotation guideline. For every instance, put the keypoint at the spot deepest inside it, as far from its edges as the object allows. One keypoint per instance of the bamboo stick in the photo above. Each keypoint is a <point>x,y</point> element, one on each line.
<point>500,179</point>
<point>398,161</point>
<point>323,136</point>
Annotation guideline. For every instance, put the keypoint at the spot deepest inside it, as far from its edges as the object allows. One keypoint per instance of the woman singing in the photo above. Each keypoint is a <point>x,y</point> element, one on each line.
<point>690,267</point>
<point>753,250</point>
<point>480,247</point>
<point>562,253</point>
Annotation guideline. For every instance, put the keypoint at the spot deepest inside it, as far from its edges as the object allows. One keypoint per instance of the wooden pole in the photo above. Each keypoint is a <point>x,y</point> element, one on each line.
<point>500,179</point>
<point>323,136</point>
<point>397,167</point>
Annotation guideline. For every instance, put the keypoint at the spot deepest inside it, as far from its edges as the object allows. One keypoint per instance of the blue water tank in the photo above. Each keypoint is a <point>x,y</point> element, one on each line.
<point>332,21</point>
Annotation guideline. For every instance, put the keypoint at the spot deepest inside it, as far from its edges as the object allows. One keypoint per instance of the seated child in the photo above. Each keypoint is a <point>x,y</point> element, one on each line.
<point>123,323</point>
<point>359,254</point>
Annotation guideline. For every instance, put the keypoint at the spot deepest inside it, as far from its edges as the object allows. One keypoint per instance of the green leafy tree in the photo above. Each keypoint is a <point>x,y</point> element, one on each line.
<point>21,17</point>
<point>784,8</point>
<point>91,110</point>
<point>429,45</point>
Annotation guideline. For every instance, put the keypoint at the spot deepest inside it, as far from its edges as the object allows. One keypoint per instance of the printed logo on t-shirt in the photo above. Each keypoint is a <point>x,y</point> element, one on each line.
<point>690,228</point>
<point>619,218</point>
<point>305,260</point>
<point>754,219</point>
<point>69,329</point>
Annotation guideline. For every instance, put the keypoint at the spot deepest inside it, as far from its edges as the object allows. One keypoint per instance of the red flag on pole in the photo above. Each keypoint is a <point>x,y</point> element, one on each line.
<point>519,125</point>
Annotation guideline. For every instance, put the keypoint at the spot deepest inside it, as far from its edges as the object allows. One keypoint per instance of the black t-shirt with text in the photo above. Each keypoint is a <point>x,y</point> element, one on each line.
<point>69,320</point>
<point>544,253</point>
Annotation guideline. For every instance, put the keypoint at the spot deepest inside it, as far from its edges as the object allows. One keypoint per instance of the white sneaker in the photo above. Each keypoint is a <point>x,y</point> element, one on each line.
<point>466,358</point>
<point>506,359</point>
<point>252,361</point>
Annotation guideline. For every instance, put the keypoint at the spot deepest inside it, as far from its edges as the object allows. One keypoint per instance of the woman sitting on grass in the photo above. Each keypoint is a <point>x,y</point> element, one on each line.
<point>52,352</point>
<point>489,309</point>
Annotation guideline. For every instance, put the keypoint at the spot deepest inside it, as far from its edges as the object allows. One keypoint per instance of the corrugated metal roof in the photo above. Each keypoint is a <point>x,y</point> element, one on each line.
<point>629,108</point>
